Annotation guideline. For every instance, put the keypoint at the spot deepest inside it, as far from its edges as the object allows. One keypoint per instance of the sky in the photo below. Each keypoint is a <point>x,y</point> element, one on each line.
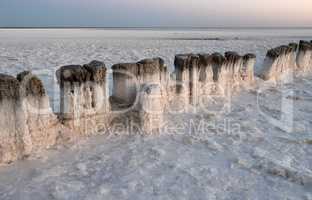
<point>148,13</point>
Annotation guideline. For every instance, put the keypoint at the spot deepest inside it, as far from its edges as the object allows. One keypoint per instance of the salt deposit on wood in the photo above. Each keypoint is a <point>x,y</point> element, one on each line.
<point>304,57</point>
<point>205,78</point>
<point>84,101</point>
<point>27,121</point>
<point>199,76</point>
<point>279,63</point>
<point>42,123</point>
<point>128,77</point>
<point>186,70</point>
<point>11,145</point>
<point>182,72</point>
<point>151,108</point>
<point>247,70</point>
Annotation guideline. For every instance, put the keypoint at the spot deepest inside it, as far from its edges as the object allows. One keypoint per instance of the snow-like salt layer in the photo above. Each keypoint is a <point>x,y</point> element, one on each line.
<point>240,154</point>
<point>243,152</point>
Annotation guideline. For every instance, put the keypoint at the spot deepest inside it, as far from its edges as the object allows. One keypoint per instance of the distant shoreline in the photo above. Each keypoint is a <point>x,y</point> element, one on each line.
<point>155,28</point>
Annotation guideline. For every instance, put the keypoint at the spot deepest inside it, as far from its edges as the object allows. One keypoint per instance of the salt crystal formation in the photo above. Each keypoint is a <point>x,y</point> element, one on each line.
<point>247,70</point>
<point>151,108</point>
<point>186,70</point>
<point>27,121</point>
<point>41,121</point>
<point>279,63</point>
<point>293,55</point>
<point>304,57</point>
<point>84,100</point>
<point>205,78</point>
<point>128,77</point>
<point>199,75</point>
<point>11,144</point>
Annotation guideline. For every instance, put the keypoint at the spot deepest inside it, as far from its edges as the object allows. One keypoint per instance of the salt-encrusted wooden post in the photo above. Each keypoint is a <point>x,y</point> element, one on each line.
<point>125,82</point>
<point>230,70</point>
<point>99,93</point>
<point>182,72</point>
<point>187,77</point>
<point>247,69</point>
<point>293,51</point>
<point>151,109</point>
<point>202,75</point>
<point>278,63</point>
<point>128,77</point>
<point>27,121</point>
<point>304,56</point>
<point>206,85</point>
<point>42,123</point>
<point>11,143</point>
<point>205,74</point>
<point>83,95</point>
<point>194,80</point>
<point>270,66</point>
<point>217,61</point>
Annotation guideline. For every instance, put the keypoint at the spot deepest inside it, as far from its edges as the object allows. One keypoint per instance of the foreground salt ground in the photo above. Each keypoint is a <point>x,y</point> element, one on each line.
<point>249,158</point>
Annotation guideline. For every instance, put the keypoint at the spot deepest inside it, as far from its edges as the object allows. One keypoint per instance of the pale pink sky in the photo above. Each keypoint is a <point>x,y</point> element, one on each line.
<point>156,13</point>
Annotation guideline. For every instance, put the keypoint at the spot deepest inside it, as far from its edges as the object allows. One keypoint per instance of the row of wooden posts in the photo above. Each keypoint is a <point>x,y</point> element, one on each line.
<point>145,88</point>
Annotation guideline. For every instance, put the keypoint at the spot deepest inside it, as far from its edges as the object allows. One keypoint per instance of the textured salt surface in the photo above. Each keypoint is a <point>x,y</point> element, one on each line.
<point>253,159</point>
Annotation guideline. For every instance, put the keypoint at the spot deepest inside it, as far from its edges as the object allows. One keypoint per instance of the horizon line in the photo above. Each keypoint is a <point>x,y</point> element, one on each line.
<point>155,27</point>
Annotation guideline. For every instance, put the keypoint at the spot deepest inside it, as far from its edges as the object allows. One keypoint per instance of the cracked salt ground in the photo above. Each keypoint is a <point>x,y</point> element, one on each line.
<point>259,161</point>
